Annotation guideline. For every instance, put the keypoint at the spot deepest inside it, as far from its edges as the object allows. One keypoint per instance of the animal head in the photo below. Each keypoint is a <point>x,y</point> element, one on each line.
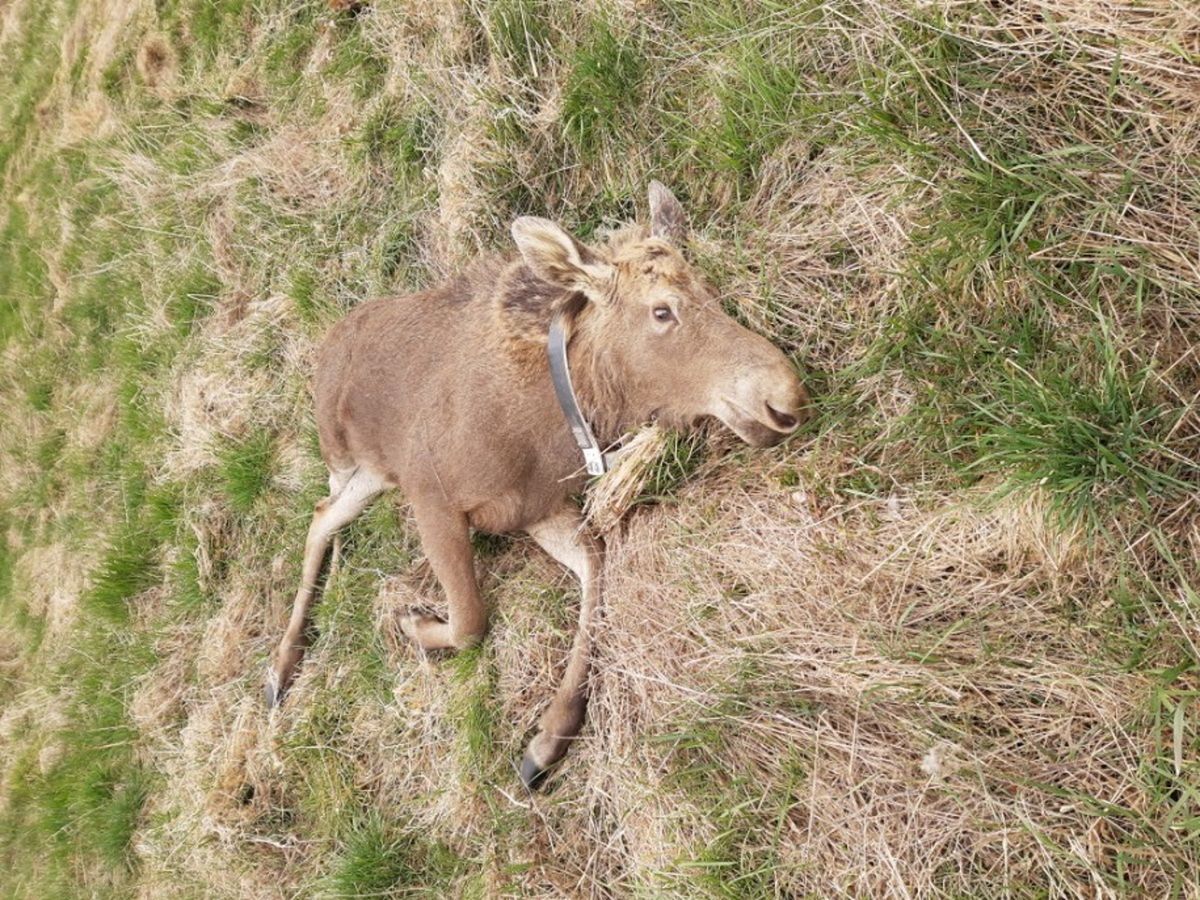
<point>661,331</point>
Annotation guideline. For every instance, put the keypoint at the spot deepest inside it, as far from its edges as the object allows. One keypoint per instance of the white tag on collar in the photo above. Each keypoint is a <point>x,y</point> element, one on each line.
<point>594,460</point>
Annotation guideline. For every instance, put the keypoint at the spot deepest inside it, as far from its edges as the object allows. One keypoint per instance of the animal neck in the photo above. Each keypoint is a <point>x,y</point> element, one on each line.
<point>598,381</point>
<point>525,307</point>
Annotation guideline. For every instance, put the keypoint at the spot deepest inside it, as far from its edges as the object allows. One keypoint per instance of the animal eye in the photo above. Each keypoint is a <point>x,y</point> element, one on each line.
<point>663,313</point>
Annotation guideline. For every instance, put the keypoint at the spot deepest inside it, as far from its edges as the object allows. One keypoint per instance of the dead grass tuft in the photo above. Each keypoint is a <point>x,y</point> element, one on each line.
<point>222,394</point>
<point>51,578</point>
<point>831,237</point>
<point>612,495</point>
<point>899,660</point>
<point>463,222</point>
<point>156,61</point>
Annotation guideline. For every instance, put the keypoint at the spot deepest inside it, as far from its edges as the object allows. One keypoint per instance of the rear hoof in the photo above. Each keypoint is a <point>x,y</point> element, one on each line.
<point>273,692</point>
<point>532,775</point>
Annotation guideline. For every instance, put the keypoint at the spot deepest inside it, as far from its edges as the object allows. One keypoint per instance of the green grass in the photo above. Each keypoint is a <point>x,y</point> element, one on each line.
<point>1093,442</point>
<point>215,25</point>
<point>378,859</point>
<point>131,564</point>
<point>245,468</point>
<point>475,711</point>
<point>6,561</point>
<point>186,579</point>
<point>742,811</point>
<point>29,80</point>
<point>95,799</point>
<point>74,823</point>
<point>401,137</point>
<point>22,274</point>
<point>603,86</point>
<point>759,109</point>
<point>1079,420</point>
<point>680,458</point>
<point>381,537</point>
<point>192,297</point>
<point>72,816</point>
<point>520,33</point>
<point>355,59</point>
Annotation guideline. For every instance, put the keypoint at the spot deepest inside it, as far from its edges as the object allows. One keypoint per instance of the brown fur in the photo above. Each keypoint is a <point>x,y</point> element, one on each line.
<point>447,395</point>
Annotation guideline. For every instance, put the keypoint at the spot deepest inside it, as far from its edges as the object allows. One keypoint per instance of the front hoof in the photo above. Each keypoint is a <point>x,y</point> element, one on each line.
<point>532,775</point>
<point>427,632</point>
<point>410,625</point>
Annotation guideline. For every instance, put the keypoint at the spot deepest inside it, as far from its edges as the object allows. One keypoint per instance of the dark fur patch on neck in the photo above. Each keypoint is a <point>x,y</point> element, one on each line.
<point>526,303</point>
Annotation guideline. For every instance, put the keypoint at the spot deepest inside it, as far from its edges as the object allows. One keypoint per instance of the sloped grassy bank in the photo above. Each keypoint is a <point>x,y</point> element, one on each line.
<point>943,643</point>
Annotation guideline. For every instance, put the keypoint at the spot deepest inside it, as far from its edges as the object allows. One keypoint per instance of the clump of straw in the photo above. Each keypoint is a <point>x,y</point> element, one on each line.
<point>613,494</point>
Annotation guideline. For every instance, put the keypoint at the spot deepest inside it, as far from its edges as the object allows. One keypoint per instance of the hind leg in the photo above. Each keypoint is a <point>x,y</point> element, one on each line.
<point>337,481</point>
<point>351,490</point>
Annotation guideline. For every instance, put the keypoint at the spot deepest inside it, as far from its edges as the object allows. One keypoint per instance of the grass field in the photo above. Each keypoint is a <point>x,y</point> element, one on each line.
<point>944,642</point>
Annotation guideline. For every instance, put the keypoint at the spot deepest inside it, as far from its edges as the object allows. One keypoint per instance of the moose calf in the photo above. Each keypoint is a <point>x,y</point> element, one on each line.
<point>450,395</point>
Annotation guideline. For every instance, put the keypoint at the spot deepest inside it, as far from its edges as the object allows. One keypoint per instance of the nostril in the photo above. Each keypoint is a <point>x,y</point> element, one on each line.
<point>784,420</point>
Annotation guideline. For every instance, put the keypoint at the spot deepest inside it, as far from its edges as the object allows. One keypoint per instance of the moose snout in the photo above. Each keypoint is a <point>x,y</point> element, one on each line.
<point>767,404</point>
<point>784,421</point>
<point>788,405</point>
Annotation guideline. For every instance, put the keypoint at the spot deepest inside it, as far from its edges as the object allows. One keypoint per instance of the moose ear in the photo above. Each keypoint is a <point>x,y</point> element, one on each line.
<point>556,257</point>
<point>667,220</point>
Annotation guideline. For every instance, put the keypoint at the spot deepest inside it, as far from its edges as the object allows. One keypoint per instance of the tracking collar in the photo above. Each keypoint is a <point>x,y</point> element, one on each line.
<point>595,459</point>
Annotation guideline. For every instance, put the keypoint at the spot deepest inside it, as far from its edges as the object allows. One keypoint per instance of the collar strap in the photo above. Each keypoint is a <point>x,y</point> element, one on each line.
<point>596,460</point>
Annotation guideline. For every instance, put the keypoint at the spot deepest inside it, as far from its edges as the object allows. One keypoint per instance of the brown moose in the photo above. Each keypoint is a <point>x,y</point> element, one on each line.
<point>447,395</point>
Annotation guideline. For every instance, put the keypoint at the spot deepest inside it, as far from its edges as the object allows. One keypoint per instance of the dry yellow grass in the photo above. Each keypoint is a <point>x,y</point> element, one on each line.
<point>879,661</point>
